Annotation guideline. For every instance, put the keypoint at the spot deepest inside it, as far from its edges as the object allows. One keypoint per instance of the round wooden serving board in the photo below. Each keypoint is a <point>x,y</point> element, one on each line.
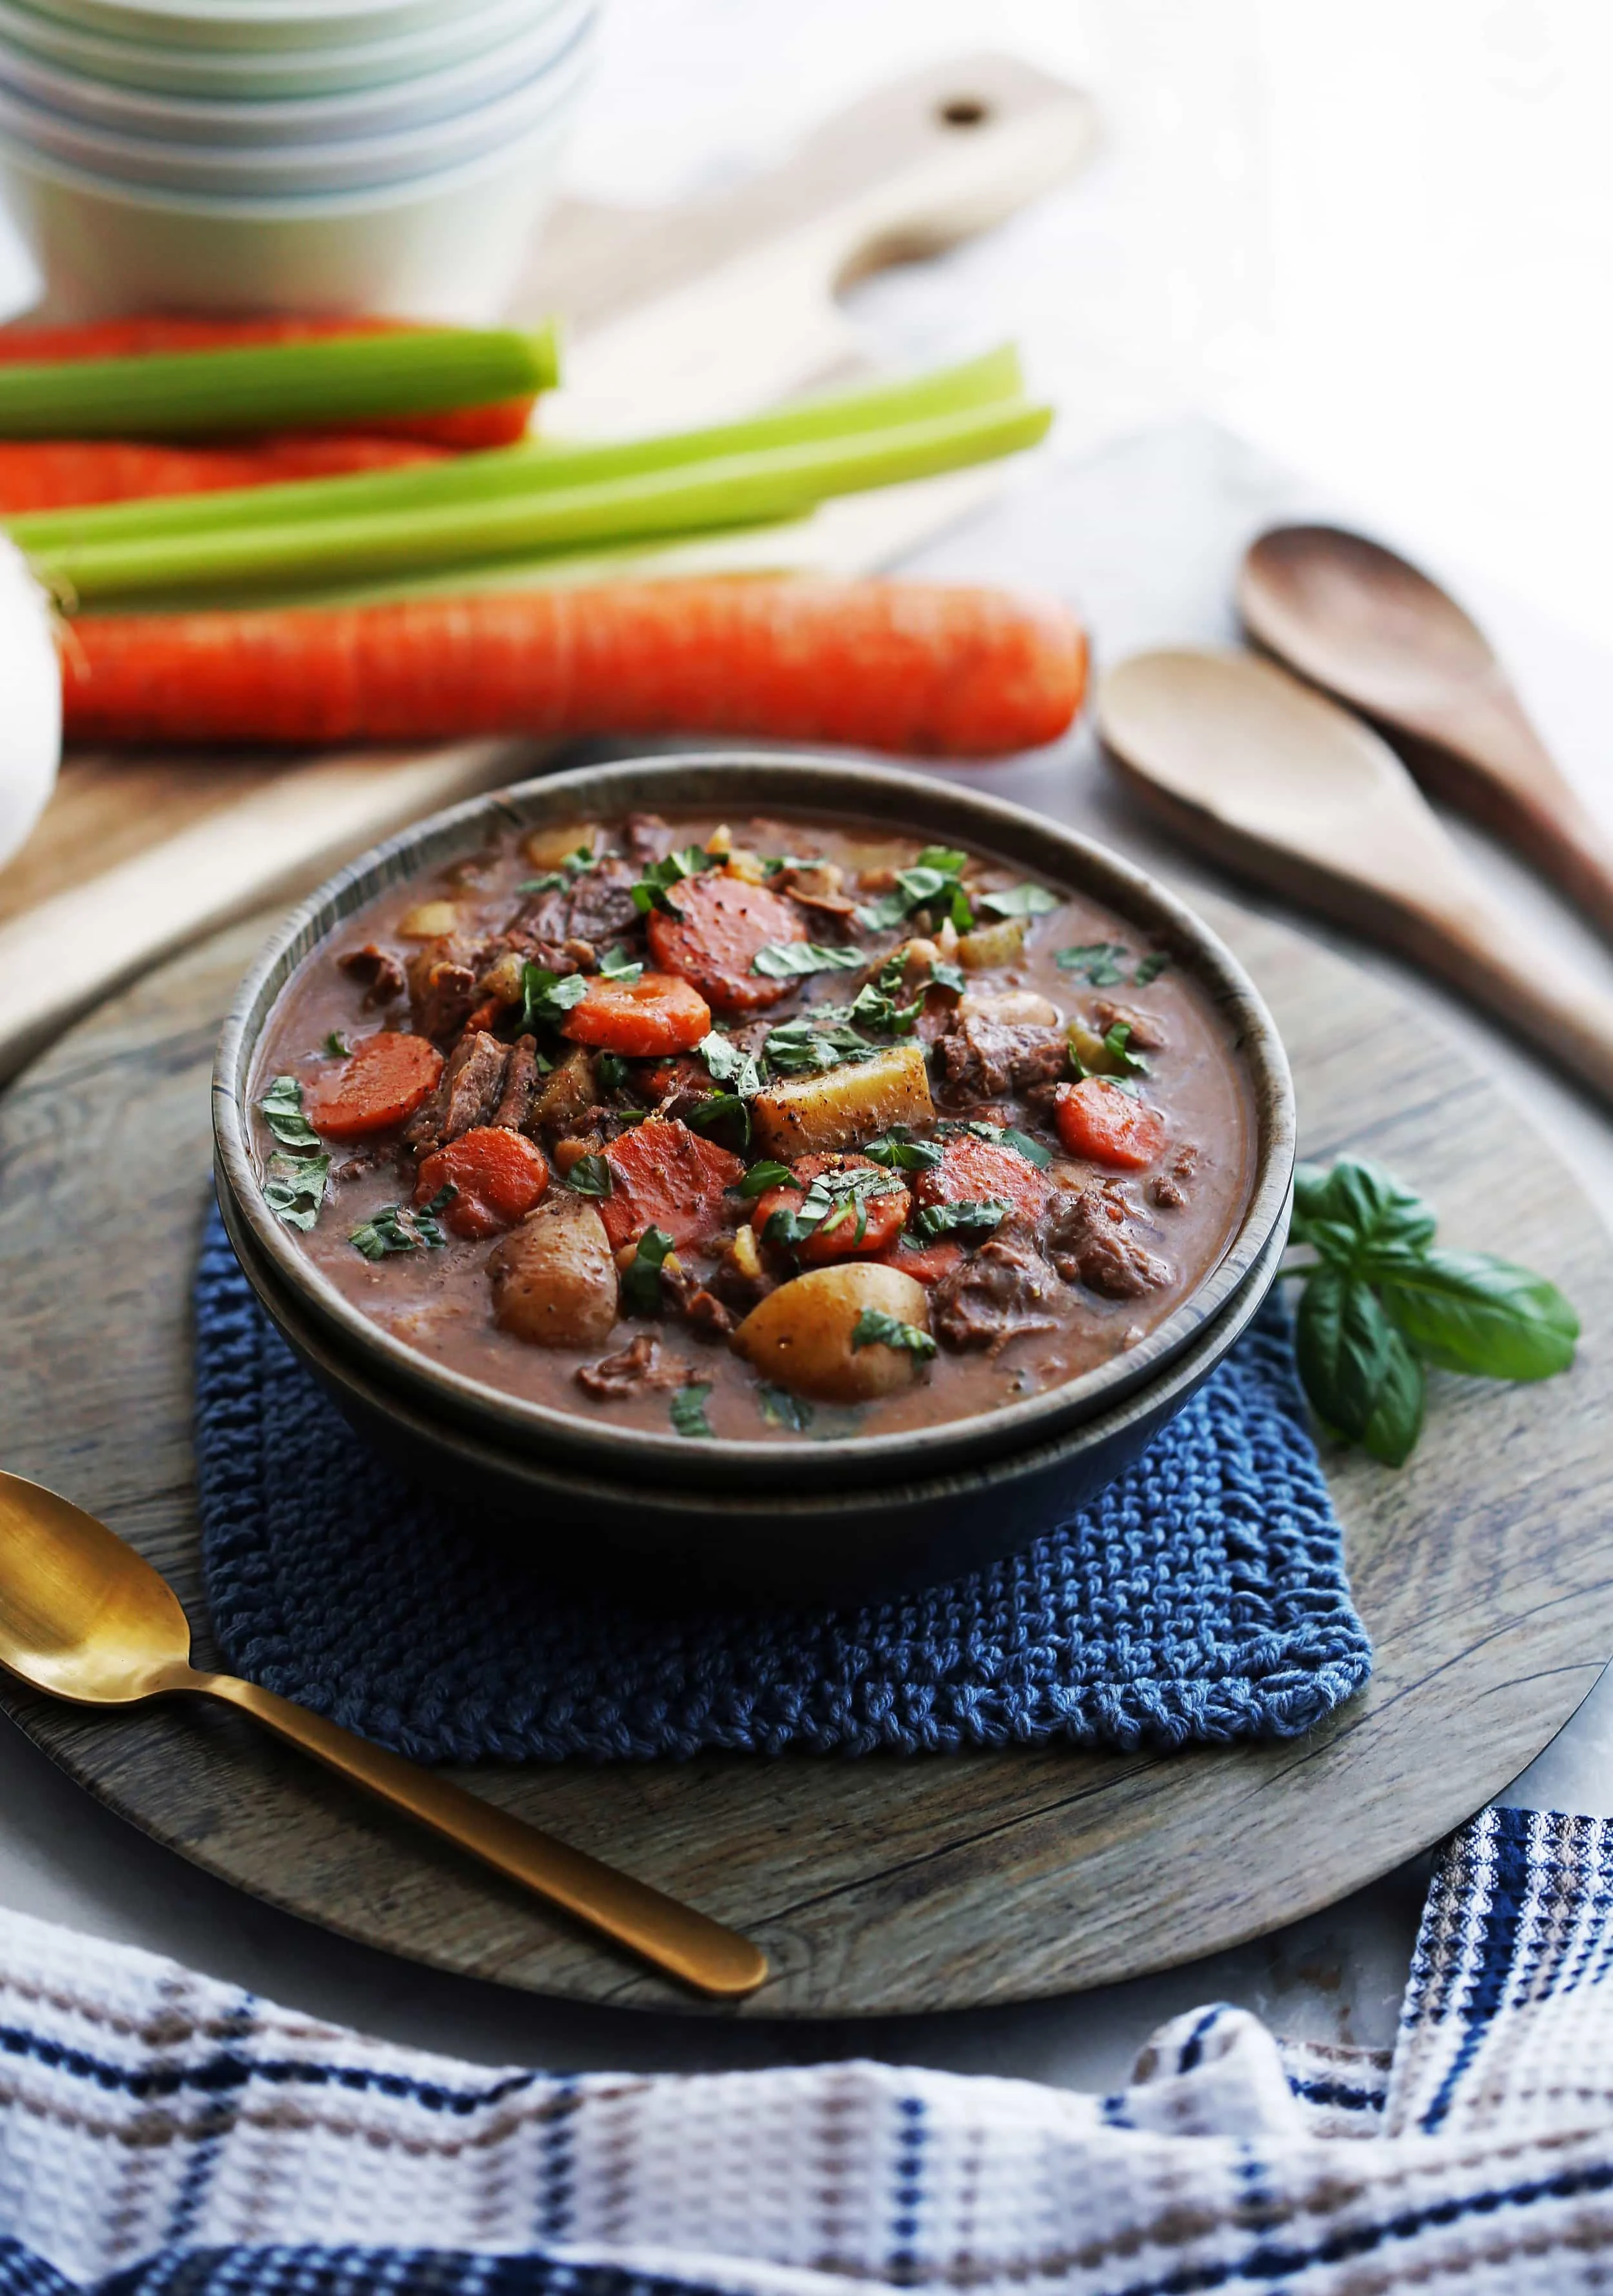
<point>1483,1572</point>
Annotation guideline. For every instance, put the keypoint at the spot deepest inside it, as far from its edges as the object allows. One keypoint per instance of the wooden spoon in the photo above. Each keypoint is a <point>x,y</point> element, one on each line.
<point>84,1618</point>
<point>1368,627</point>
<point>1256,768</point>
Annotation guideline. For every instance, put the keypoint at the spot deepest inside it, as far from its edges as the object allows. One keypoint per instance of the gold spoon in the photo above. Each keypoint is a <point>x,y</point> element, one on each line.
<point>1258,769</point>
<point>83,1617</point>
<point>1374,630</point>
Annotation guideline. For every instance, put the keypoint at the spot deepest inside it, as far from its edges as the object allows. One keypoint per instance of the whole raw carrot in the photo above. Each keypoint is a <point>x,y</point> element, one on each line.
<point>155,332</point>
<point>39,474</point>
<point>900,666</point>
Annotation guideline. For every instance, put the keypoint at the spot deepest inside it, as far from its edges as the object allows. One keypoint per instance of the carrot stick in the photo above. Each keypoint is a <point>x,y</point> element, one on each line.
<point>46,474</point>
<point>155,334</point>
<point>887,665</point>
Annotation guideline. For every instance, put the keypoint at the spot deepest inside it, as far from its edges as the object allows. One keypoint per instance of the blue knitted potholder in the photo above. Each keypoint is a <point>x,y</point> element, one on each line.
<point>1201,1596</point>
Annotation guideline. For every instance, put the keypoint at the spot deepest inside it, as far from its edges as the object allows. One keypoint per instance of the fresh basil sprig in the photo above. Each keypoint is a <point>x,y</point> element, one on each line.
<point>403,1227</point>
<point>875,1329</point>
<point>1382,1299</point>
<point>294,1187</point>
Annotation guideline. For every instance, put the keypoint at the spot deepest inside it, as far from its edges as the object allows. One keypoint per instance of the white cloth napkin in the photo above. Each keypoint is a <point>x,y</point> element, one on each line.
<point>187,2138</point>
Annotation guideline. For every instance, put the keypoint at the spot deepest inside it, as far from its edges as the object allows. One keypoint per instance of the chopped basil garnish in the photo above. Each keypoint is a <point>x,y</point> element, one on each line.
<point>721,1108</point>
<point>947,976</point>
<point>336,1045</point>
<point>816,1039</point>
<point>651,891</point>
<point>687,1409</point>
<point>726,1063</point>
<point>874,1005</point>
<point>294,1187</point>
<point>1149,968</point>
<point>641,1285</point>
<point>831,1200</point>
<point>1002,1136</point>
<point>401,1227</point>
<point>589,1175</point>
<point>932,882</point>
<point>1030,1149</point>
<point>780,1408</point>
<point>547,997</point>
<point>875,1329</point>
<point>574,864</point>
<point>616,965</point>
<point>1101,963</point>
<point>1020,901</point>
<point>965,1217</point>
<point>899,1152</point>
<point>281,1107</point>
<point>610,1070</point>
<point>1117,1044</point>
<point>793,960</point>
<point>763,1175</point>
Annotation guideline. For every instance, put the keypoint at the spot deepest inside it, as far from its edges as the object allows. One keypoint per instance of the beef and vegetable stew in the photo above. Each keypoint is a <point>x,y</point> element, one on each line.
<point>768,1130</point>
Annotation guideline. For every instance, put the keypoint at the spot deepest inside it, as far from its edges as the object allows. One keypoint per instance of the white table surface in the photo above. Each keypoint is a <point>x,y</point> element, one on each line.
<point>1231,250</point>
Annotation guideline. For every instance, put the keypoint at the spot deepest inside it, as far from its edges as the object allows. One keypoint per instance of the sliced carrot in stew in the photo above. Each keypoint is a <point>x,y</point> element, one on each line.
<point>883,1217</point>
<point>383,1080</point>
<point>496,1176</point>
<point>656,1013</point>
<point>975,1171</point>
<point>1096,1120</point>
<point>718,926</point>
<point>664,1175</point>
<point>926,1263</point>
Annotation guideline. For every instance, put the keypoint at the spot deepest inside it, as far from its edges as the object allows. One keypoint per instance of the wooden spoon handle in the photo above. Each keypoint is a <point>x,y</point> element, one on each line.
<point>1562,1013</point>
<point>686,1944</point>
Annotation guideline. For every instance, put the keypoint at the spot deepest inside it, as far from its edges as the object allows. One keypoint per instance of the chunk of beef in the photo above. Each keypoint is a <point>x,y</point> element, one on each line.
<point>1169,1190</point>
<point>378,972</point>
<point>997,1294</point>
<point>1093,1240</point>
<point>981,1059</point>
<point>1147,1035</point>
<point>595,907</point>
<point>636,1369</point>
<point>565,1096</point>
<point>646,837</point>
<point>442,977</point>
<point>466,1094</point>
<point>520,1084</point>
<point>685,1297</point>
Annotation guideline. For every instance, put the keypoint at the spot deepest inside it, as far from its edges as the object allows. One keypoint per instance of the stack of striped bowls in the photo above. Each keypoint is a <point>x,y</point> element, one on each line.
<point>385,155</point>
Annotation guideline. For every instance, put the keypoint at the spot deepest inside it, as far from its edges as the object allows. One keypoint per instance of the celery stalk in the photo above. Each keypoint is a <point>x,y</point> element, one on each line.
<point>334,379</point>
<point>767,484</point>
<point>537,464</point>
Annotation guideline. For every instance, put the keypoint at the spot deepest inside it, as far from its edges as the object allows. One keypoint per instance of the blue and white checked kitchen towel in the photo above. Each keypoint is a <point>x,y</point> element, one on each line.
<point>162,2134</point>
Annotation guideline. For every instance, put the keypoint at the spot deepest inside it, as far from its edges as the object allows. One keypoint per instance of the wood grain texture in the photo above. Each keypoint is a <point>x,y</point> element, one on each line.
<point>877,1885</point>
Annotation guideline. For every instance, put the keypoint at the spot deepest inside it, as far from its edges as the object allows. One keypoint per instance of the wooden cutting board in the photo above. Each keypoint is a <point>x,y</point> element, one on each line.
<point>881,1885</point>
<point>676,316</point>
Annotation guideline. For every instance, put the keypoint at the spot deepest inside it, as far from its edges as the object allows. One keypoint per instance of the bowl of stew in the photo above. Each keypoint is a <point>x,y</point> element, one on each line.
<point>794,1172</point>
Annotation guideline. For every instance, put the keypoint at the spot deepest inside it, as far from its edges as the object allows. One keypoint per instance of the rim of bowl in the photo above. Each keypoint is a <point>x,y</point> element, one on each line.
<point>791,781</point>
<point>528,104</point>
<point>267,24</point>
<point>307,207</point>
<point>415,52</point>
<point>58,88</point>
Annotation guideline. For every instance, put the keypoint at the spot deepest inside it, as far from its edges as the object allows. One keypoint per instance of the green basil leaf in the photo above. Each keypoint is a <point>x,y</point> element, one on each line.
<point>1020,901</point>
<point>687,1409</point>
<point>641,1283</point>
<point>793,960</point>
<point>943,975</point>
<point>899,1153</point>
<point>402,1227</point>
<point>1149,968</point>
<point>336,1045</point>
<point>815,1040</point>
<point>875,1329</point>
<point>931,881</point>
<point>282,1110</point>
<point>1030,1149</point>
<point>1343,1343</point>
<point>1355,1208</point>
<point>651,891</point>
<point>964,1217</point>
<point>590,1175</point>
<point>780,1408</point>
<point>547,997</point>
<point>1098,962</point>
<point>763,1175</point>
<point>616,965</point>
<point>726,1063</point>
<point>1117,1043</point>
<point>721,1108</point>
<point>945,858</point>
<point>295,1188</point>
<point>1396,1420</point>
<point>1470,1312</point>
<point>610,1070</point>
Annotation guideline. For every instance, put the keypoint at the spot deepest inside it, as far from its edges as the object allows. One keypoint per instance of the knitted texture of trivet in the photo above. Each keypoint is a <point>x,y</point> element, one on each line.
<point>1201,1596</point>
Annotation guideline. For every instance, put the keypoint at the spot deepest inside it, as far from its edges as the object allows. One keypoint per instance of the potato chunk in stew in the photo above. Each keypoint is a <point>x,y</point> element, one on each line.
<point>813,1115</point>
<point>840,1334</point>
<point>555,1278</point>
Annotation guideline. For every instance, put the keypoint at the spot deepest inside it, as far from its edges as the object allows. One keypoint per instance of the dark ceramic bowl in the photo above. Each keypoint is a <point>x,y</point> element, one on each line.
<point>792,1518</point>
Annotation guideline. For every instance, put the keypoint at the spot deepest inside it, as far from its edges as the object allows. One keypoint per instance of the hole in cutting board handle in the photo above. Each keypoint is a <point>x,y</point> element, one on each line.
<point>963,112</point>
